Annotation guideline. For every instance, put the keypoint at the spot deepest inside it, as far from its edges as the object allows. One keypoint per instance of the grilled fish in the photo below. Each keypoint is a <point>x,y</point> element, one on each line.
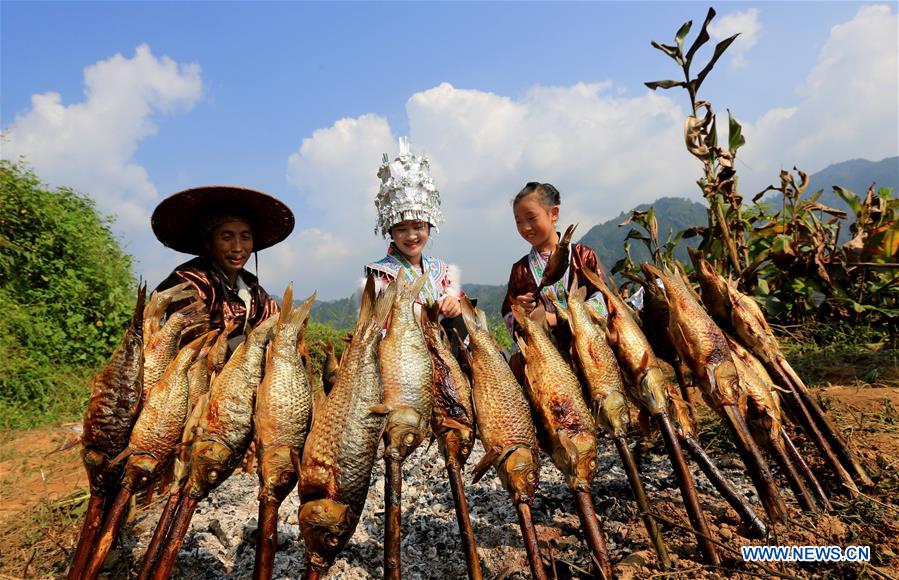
<point>452,418</point>
<point>555,395</point>
<point>339,453</point>
<point>644,378</point>
<point>283,403</point>
<point>597,362</point>
<point>406,373</point>
<point>502,413</point>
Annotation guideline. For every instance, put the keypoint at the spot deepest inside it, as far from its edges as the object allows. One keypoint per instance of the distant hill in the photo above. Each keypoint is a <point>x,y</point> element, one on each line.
<point>675,213</point>
<point>340,313</point>
<point>855,175</point>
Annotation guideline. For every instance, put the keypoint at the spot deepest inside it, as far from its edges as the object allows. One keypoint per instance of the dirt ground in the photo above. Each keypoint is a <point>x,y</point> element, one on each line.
<point>43,492</point>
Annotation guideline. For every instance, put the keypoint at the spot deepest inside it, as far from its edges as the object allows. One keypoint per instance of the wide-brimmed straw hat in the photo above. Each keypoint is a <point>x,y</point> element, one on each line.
<point>178,220</point>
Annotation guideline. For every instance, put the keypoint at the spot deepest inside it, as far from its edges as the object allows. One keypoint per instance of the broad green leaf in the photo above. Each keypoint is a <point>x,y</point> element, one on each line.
<point>763,287</point>
<point>735,138</point>
<point>682,33</point>
<point>851,199</point>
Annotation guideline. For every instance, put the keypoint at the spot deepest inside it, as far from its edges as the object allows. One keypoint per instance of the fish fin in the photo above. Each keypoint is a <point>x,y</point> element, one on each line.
<point>462,348</point>
<point>137,318</point>
<point>368,301</point>
<point>482,319</point>
<point>598,318</point>
<point>522,345</point>
<point>567,444</point>
<point>379,409</point>
<point>644,361</point>
<point>433,311</point>
<point>286,304</point>
<point>518,313</point>
<point>124,454</point>
<point>569,231</point>
<point>417,285</point>
<point>484,464</point>
<point>470,317</point>
<point>581,293</point>
<point>562,311</point>
<point>453,424</point>
<point>300,315</point>
<point>384,303</point>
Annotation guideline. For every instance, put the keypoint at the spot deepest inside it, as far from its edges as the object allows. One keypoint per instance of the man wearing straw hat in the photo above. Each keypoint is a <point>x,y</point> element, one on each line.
<point>223,226</point>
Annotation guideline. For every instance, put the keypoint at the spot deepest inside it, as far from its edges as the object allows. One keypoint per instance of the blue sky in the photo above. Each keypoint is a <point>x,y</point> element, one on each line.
<point>301,99</point>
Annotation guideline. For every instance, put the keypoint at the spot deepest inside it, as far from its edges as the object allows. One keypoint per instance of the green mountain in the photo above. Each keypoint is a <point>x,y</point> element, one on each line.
<point>855,175</point>
<point>340,313</point>
<point>672,213</point>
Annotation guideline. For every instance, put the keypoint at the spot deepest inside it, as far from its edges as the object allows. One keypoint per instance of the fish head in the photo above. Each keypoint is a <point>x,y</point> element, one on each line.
<point>278,474</point>
<point>577,454</point>
<point>142,469</point>
<point>405,430</point>
<point>326,526</point>
<point>519,472</point>
<point>456,444</point>
<point>653,388</point>
<point>103,477</point>
<point>210,465</point>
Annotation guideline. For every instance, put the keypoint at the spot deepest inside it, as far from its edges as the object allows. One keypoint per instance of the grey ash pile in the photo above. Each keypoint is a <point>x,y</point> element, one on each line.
<point>222,538</point>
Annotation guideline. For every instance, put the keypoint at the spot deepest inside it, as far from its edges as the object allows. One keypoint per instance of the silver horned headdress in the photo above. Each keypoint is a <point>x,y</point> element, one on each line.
<point>407,191</point>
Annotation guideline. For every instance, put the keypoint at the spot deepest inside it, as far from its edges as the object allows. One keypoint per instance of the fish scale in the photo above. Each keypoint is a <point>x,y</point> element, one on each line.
<point>339,454</point>
<point>597,363</point>
<point>406,373</point>
<point>501,409</point>
<point>555,395</point>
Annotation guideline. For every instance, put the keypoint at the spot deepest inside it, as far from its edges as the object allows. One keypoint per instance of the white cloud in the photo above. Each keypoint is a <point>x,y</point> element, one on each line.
<point>846,107</point>
<point>747,24</point>
<point>90,145</point>
<point>603,151</point>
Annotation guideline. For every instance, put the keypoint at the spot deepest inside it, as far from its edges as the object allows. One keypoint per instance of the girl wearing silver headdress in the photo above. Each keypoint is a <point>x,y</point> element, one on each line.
<point>408,207</point>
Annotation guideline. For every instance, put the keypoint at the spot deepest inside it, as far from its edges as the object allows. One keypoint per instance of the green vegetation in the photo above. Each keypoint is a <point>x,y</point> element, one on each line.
<point>674,214</point>
<point>66,293</point>
<point>786,251</point>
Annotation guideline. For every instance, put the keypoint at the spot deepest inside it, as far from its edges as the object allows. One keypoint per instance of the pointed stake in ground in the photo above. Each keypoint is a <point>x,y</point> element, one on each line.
<point>792,474</point>
<point>108,534</point>
<point>159,536</point>
<point>529,535</point>
<point>801,411</point>
<point>837,442</point>
<point>761,476</point>
<point>393,493</point>
<point>688,491</point>
<point>267,538</point>
<point>633,476</point>
<point>596,540</point>
<point>92,521</point>
<point>312,572</point>
<point>177,531</point>
<point>469,546</point>
<point>750,519</point>
<point>799,461</point>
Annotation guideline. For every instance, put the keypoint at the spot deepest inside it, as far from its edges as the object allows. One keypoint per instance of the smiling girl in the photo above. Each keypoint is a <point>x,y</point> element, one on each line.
<point>536,211</point>
<point>408,207</point>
